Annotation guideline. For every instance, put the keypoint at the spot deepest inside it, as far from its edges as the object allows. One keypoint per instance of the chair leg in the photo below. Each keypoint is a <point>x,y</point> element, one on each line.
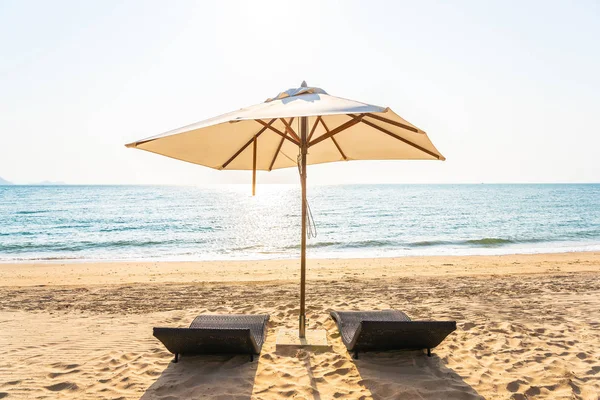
<point>251,357</point>
<point>355,355</point>
<point>176,359</point>
<point>428,352</point>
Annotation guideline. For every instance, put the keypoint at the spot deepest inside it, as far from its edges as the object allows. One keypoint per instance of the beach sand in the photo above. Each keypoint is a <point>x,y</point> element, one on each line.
<point>528,327</point>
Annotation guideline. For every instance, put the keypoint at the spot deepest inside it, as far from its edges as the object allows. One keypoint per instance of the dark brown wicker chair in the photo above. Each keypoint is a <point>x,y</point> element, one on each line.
<point>389,330</point>
<point>216,334</point>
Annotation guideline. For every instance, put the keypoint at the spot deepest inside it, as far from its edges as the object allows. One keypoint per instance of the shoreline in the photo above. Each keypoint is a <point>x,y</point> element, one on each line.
<point>484,251</point>
<point>59,273</point>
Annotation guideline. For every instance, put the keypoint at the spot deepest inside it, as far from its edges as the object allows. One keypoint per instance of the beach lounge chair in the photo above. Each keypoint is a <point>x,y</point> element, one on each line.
<point>216,334</point>
<point>389,330</point>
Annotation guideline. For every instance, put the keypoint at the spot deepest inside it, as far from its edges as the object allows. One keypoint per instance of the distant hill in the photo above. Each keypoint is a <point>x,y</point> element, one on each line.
<point>4,182</point>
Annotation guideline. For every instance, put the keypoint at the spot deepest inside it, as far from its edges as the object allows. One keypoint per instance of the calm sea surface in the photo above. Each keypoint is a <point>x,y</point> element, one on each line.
<point>225,222</point>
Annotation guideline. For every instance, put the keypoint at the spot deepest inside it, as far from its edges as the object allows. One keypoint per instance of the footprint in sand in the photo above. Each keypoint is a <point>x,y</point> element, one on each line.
<point>53,375</point>
<point>59,387</point>
<point>533,391</point>
<point>468,326</point>
<point>514,385</point>
<point>593,371</point>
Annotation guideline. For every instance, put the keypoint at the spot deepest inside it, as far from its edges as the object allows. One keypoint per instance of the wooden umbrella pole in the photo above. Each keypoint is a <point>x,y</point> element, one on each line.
<point>303,152</point>
<point>254,167</point>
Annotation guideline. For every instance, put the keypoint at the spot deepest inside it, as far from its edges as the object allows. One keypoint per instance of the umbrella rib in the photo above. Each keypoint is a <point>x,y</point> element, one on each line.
<point>408,142</point>
<point>355,120</point>
<point>277,131</point>
<point>389,121</point>
<point>278,149</point>
<point>289,129</point>
<point>314,127</point>
<point>334,141</point>
<point>290,158</point>
<point>339,148</point>
<point>237,153</point>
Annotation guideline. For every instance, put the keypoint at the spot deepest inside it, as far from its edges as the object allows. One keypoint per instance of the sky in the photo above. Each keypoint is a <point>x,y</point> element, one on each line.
<point>508,91</point>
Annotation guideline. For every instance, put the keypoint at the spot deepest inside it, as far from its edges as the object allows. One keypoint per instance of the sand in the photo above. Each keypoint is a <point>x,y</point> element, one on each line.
<point>528,327</point>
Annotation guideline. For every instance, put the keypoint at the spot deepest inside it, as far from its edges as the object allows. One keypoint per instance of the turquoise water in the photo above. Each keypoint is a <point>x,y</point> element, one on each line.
<point>225,222</point>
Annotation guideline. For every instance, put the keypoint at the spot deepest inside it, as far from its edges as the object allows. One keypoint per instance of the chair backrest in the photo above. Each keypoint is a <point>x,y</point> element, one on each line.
<point>207,341</point>
<point>389,335</point>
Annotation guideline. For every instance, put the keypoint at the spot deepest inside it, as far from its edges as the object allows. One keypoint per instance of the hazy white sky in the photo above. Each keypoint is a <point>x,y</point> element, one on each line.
<point>508,91</point>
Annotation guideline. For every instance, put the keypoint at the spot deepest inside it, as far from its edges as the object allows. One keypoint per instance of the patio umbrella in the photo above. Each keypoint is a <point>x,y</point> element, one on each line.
<point>298,127</point>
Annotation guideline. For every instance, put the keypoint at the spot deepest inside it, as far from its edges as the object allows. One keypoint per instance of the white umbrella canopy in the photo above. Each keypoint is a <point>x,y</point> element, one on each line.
<point>340,129</point>
<point>298,127</point>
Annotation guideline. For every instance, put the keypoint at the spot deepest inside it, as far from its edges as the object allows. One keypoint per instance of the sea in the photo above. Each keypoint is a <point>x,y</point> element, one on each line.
<point>224,222</point>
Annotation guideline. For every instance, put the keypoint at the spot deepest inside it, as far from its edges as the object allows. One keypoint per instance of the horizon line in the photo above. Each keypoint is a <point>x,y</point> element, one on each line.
<point>289,184</point>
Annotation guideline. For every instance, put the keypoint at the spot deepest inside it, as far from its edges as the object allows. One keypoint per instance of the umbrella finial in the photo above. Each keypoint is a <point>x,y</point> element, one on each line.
<point>303,84</point>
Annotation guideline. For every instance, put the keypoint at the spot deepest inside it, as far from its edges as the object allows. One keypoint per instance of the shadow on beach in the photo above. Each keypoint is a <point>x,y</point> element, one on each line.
<point>205,376</point>
<point>383,375</point>
<point>411,374</point>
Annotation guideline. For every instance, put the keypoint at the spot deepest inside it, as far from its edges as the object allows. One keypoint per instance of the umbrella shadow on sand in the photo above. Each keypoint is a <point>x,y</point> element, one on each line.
<point>411,374</point>
<point>197,377</point>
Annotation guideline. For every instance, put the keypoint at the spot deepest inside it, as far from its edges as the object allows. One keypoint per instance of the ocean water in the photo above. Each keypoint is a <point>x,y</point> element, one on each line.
<point>225,222</point>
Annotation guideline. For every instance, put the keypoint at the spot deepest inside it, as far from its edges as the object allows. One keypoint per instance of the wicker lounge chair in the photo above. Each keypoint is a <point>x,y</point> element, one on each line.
<point>389,330</point>
<point>216,334</point>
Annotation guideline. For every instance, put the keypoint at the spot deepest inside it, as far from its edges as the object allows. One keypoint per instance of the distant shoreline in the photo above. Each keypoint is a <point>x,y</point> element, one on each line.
<point>72,261</point>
